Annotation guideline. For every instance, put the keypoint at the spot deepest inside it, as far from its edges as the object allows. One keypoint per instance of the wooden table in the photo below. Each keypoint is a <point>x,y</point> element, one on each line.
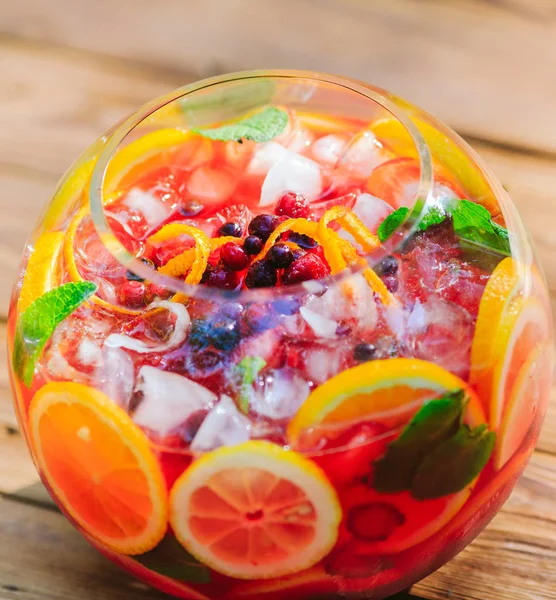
<point>71,68</point>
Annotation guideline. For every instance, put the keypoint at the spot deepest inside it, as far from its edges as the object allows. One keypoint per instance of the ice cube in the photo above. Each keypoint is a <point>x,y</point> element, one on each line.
<point>223,426</point>
<point>323,363</point>
<point>322,326</point>
<point>293,173</point>
<point>278,393</point>
<point>300,140</point>
<point>210,184</point>
<point>328,149</point>
<point>115,375</point>
<point>168,400</point>
<point>353,298</point>
<point>371,210</point>
<point>149,206</point>
<point>89,352</point>
<point>440,332</point>
<point>265,157</point>
<point>363,154</point>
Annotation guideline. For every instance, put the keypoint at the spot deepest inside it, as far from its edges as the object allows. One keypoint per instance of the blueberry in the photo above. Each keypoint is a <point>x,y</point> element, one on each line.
<point>364,352</point>
<point>302,240</point>
<point>261,274</point>
<point>388,266</point>
<point>131,276</point>
<point>252,245</point>
<point>262,226</point>
<point>287,305</point>
<point>231,228</point>
<point>222,334</point>
<point>191,208</point>
<point>280,256</point>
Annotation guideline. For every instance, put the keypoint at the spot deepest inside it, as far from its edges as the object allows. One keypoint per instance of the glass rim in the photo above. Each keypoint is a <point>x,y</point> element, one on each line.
<point>422,197</point>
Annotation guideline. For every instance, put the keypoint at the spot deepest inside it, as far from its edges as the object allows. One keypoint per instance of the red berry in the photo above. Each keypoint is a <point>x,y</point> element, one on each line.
<point>307,266</point>
<point>294,206</point>
<point>234,257</point>
<point>219,277</point>
<point>156,292</point>
<point>375,521</point>
<point>132,294</point>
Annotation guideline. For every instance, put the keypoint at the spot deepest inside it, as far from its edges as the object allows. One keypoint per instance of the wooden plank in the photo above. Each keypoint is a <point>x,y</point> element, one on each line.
<point>48,119</point>
<point>23,193</point>
<point>43,558</point>
<point>487,68</point>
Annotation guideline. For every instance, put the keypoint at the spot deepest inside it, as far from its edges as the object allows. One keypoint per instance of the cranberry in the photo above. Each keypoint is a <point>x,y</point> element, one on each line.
<point>131,276</point>
<point>234,257</point>
<point>375,521</point>
<point>232,229</point>
<point>219,277</point>
<point>252,244</point>
<point>206,360</point>
<point>308,266</point>
<point>263,225</point>
<point>261,274</point>
<point>293,205</point>
<point>280,256</point>
<point>391,282</point>
<point>132,294</point>
<point>191,208</point>
<point>156,292</point>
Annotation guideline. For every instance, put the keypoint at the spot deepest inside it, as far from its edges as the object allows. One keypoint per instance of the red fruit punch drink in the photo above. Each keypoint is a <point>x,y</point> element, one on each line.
<point>280,334</point>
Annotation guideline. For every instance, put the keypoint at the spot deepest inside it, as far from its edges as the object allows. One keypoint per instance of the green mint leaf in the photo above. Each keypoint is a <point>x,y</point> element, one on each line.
<point>38,322</point>
<point>433,216</point>
<point>260,127</point>
<point>433,424</point>
<point>170,559</point>
<point>248,370</point>
<point>472,222</point>
<point>391,223</point>
<point>454,464</point>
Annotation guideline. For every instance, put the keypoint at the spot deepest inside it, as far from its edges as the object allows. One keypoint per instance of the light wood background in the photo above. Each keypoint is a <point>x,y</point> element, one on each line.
<point>70,68</point>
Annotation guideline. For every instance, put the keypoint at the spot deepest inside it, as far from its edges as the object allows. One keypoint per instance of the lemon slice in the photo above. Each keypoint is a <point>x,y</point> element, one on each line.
<point>255,511</point>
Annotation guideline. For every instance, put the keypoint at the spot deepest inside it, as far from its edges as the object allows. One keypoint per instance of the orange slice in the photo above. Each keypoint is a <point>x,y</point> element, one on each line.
<point>255,511</point>
<point>43,269</point>
<point>444,150</point>
<point>501,288</point>
<point>375,390</point>
<point>530,392</point>
<point>524,326</point>
<point>99,466</point>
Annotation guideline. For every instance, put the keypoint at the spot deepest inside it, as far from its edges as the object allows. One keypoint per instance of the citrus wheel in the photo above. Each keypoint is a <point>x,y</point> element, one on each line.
<point>42,272</point>
<point>502,286</point>
<point>255,511</point>
<point>377,391</point>
<point>529,393</point>
<point>391,132</point>
<point>99,466</point>
<point>151,151</point>
<point>524,325</point>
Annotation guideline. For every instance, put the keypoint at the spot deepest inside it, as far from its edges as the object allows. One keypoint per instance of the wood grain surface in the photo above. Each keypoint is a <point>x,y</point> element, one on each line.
<point>70,69</point>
